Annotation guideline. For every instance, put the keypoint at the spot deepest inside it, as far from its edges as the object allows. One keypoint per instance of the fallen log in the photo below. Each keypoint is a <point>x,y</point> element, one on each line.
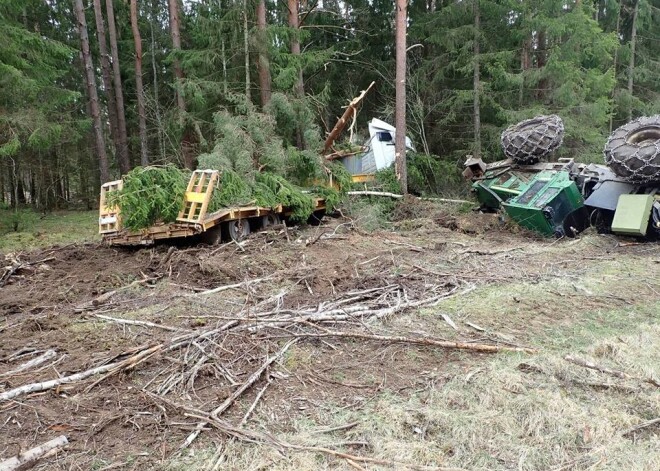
<point>28,458</point>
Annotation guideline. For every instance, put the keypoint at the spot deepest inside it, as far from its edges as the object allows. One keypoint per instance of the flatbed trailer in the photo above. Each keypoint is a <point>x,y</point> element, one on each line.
<point>194,220</point>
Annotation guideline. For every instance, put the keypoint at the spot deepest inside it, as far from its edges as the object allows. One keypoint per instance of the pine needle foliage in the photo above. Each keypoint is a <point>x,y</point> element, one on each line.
<point>150,195</point>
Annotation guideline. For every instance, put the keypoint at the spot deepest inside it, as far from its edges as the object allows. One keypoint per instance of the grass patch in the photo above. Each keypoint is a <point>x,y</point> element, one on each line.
<point>35,230</point>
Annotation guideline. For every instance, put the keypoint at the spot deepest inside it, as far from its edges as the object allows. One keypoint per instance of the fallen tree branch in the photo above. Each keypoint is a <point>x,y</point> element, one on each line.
<point>44,357</point>
<point>112,367</point>
<point>254,404</point>
<point>366,459</point>
<point>99,300</point>
<point>335,429</point>
<point>236,394</point>
<point>641,426</point>
<point>30,457</point>
<point>397,196</point>
<point>417,341</point>
<point>134,322</point>
<point>243,284</point>
<point>619,374</point>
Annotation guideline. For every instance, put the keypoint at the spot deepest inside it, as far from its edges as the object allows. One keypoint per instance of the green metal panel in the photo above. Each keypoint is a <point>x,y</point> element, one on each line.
<point>546,202</point>
<point>632,215</point>
<point>504,184</point>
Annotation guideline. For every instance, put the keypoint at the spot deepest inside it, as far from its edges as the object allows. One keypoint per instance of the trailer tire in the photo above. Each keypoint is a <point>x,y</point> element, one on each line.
<point>238,229</point>
<point>212,236</point>
<point>533,139</point>
<point>316,218</point>
<point>633,150</point>
<point>270,219</point>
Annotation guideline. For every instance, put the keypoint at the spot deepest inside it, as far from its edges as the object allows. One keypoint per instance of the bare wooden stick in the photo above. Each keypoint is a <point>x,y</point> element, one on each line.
<point>641,426</point>
<point>335,429</point>
<point>236,394</point>
<point>45,385</point>
<point>29,458</point>
<point>243,284</point>
<point>366,459</point>
<point>254,404</point>
<point>418,341</point>
<point>44,357</point>
<point>135,322</point>
<point>397,196</point>
<point>619,374</point>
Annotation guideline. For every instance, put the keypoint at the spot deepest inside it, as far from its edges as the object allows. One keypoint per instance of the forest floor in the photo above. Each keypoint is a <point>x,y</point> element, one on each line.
<point>303,313</point>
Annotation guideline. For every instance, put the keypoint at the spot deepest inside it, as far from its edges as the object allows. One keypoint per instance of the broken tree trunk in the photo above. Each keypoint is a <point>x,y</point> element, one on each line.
<point>28,458</point>
<point>348,114</point>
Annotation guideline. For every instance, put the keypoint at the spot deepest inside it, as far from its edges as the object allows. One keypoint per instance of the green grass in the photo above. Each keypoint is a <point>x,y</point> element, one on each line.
<point>35,230</point>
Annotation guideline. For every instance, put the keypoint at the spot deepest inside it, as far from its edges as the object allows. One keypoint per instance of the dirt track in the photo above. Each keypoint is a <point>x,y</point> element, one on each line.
<point>53,300</point>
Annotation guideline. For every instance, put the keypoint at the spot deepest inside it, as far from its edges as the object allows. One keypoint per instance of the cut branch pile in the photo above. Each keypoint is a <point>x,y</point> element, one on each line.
<point>242,349</point>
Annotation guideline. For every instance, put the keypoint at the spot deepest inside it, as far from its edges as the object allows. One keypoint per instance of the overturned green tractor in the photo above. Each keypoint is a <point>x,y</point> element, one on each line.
<point>563,198</point>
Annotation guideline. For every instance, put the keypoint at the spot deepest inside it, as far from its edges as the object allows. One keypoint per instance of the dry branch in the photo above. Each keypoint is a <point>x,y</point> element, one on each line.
<point>643,425</point>
<point>617,373</point>
<point>243,284</point>
<point>30,457</point>
<point>397,196</point>
<point>44,357</point>
<point>475,347</point>
<point>254,404</point>
<point>366,459</point>
<point>110,368</point>
<point>254,377</point>
<point>135,322</point>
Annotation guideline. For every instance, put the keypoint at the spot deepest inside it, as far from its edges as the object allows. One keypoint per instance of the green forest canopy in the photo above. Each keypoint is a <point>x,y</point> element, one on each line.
<point>572,58</point>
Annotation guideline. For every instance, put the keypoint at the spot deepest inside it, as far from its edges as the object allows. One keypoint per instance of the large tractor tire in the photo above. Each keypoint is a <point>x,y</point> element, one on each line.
<point>633,150</point>
<point>533,139</point>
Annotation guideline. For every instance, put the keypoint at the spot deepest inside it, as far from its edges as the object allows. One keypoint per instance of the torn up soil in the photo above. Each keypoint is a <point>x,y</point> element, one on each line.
<point>73,299</point>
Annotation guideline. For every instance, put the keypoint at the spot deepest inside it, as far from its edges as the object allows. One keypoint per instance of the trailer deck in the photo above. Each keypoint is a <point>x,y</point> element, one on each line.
<point>193,219</point>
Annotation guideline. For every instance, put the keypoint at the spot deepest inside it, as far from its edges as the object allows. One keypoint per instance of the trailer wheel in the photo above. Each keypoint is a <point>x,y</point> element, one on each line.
<point>212,236</point>
<point>633,150</point>
<point>238,229</point>
<point>316,218</point>
<point>533,139</point>
<point>269,220</point>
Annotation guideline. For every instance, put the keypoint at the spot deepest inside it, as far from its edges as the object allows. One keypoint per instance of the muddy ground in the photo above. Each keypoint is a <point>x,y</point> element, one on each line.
<point>493,286</point>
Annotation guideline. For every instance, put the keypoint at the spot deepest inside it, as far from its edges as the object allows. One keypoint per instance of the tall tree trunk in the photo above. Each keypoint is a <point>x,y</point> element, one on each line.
<point>263,64</point>
<point>400,101</point>
<point>616,60</point>
<point>246,46</point>
<point>299,87</point>
<point>476,82</point>
<point>159,121</point>
<point>176,44</point>
<point>223,54</point>
<point>91,91</point>
<point>631,66</point>
<point>186,141</point>
<point>107,75</point>
<point>124,162</point>
<point>541,59</point>
<point>139,88</point>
